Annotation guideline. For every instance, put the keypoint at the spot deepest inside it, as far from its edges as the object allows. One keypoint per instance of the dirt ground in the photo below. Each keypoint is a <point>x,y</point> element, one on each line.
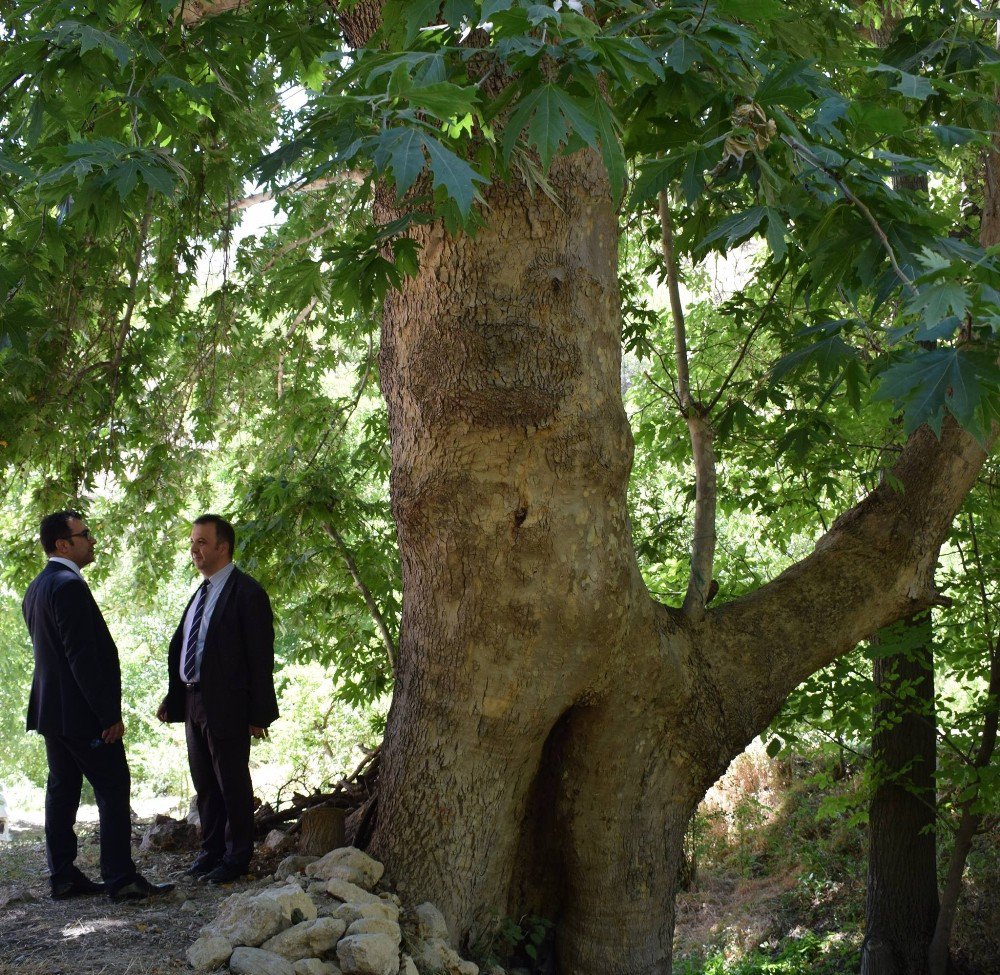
<point>90,935</point>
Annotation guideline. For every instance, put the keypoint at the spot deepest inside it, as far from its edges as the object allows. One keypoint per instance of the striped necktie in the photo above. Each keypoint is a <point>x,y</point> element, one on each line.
<point>191,651</point>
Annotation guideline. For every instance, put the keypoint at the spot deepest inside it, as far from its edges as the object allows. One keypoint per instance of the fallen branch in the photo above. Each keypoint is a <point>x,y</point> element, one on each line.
<point>351,793</point>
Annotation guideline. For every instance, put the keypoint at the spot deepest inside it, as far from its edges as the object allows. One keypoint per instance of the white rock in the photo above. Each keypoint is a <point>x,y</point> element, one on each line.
<point>376,925</point>
<point>313,966</point>
<point>293,902</point>
<point>253,961</point>
<point>327,905</point>
<point>189,906</point>
<point>296,863</point>
<point>245,919</point>
<point>350,864</point>
<point>349,913</point>
<point>430,922</point>
<point>350,893</point>
<point>207,953</point>
<point>306,940</point>
<point>250,917</point>
<point>368,954</point>
<point>436,955</point>
<point>407,966</point>
<point>275,840</point>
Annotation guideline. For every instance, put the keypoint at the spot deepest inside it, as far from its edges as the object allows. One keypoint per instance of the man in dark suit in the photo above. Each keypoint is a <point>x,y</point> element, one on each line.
<point>75,704</point>
<point>221,686</point>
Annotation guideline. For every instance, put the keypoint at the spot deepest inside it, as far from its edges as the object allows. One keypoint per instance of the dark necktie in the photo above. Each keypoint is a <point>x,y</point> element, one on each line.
<point>191,653</point>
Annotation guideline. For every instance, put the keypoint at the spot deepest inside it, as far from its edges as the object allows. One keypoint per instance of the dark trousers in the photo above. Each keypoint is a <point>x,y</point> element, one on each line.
<point>220,770</point>
<point>106,769</point>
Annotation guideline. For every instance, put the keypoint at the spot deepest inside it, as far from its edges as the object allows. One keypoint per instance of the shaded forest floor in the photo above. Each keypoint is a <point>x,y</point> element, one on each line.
<point>776,884</point>
<point>90,935</point>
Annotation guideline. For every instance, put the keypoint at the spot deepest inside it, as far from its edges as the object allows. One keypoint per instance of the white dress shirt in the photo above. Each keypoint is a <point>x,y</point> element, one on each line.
<point>69,565</point>
<point>217,583</point>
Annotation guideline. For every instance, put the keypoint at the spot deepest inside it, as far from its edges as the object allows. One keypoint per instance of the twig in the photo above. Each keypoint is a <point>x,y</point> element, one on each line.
<point>366,595</point>
<point>289,335</point>
<point>746,344</point>
<point>809,155</point>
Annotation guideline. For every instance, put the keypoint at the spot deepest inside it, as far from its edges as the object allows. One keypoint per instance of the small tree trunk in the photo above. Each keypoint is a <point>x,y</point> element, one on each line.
<point>902,860</point>
<point>322,830</point>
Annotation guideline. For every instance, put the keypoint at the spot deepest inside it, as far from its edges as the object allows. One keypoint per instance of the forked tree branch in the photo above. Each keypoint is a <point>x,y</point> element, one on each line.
<point>874,566</point>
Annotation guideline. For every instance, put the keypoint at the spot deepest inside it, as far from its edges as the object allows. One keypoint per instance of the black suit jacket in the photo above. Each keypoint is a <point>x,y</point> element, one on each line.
<point>77,686</point>
<point>237,686</point>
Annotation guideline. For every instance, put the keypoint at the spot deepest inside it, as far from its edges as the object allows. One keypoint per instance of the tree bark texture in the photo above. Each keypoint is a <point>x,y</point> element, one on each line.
<point>552,727</point>
<point>902,904</point>
<point>322,830</point>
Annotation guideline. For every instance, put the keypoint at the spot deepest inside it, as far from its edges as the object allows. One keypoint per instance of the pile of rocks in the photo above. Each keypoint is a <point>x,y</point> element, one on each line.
<point>323,916</point>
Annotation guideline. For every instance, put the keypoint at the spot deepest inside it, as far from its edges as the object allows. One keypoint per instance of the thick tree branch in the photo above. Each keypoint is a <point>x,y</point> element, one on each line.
<point>359,20</point>
<point>874,567</point>
<point>191,12</point>
<point>701,434</point>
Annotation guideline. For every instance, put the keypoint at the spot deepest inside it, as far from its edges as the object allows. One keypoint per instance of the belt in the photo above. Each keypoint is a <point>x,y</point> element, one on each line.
<point>193,687</point>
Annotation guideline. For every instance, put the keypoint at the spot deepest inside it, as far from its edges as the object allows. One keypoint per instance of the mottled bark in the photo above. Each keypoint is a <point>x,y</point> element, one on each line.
<point>511,453</point>
<point>553,727</point>
<point>902,906</point>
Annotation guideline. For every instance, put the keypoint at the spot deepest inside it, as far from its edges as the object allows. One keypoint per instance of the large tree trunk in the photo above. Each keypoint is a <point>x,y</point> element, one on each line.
<point>523,606</point>
<point>902,856</point>
<point>552,727</point>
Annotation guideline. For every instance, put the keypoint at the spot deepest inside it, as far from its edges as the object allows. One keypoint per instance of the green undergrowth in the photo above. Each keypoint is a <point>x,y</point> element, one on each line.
<point>775,876</point>
<point>812,953</point>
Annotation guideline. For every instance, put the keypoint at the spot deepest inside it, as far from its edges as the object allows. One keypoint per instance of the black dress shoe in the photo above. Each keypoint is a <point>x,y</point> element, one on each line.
<point>139,889</point>
<point>223,874</point>
<point>79,885</point>
<point>202,864</point>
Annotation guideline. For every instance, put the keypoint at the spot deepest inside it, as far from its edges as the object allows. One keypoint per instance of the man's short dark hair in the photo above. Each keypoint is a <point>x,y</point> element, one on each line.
<point>224,531</point>
<point>54,527</point>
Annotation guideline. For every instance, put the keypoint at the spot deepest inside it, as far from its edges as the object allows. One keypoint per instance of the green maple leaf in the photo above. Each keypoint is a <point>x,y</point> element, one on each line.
<point>454,174</point>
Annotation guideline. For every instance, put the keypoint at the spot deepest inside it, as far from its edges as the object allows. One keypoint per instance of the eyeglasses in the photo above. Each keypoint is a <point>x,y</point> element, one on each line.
<point>86,533</point>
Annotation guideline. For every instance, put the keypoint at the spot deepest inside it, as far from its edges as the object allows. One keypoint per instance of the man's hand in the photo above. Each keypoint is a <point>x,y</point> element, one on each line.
<point>161,711</point>
<point>115,733</point>
<point>258,732</point>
